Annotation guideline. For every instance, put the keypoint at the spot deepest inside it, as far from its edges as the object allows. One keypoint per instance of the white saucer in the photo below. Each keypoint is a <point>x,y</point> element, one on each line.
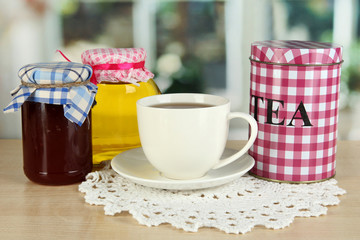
<point>133,165</point>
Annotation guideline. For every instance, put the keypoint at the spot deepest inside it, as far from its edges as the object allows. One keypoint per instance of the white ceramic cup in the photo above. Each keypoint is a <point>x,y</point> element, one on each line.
<point>186,143</point>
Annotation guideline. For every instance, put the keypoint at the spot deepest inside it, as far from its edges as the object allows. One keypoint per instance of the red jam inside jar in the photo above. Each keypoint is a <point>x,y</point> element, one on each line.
<point>56,151</point>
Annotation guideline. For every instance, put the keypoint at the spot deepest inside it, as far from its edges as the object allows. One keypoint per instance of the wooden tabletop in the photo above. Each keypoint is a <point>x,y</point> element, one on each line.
<point>32,211</point>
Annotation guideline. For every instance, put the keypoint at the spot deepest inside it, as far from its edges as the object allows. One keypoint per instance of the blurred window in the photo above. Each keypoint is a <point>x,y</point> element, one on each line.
<point>102,22</point>
<point>189,37</point>
<point>193,31</point>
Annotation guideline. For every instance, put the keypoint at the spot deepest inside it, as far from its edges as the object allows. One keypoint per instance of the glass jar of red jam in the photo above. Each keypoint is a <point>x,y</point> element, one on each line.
<point>55,100</point>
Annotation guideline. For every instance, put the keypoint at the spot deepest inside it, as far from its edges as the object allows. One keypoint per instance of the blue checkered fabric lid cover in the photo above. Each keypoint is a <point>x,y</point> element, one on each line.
<point>77,99</point>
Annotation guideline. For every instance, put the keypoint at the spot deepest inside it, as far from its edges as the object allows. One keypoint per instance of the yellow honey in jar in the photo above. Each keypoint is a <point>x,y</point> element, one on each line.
<point>115,127</point>
<point>122,79</point>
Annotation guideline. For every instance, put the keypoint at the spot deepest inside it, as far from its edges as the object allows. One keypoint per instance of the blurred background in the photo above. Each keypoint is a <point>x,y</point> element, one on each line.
<point>192,46</point>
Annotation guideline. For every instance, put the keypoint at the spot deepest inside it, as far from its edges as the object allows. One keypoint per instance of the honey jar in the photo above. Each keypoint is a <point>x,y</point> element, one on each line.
<point>122,79</point>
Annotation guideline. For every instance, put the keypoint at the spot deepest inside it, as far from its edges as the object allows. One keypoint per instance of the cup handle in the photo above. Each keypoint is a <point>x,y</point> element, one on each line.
<point>254,131</point>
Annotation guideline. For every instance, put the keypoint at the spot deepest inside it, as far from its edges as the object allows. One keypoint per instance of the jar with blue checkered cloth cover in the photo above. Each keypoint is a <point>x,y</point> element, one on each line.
<point>55,101</point>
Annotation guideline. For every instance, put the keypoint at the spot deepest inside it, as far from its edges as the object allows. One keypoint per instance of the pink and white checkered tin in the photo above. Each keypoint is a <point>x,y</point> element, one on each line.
<point>294,96</point>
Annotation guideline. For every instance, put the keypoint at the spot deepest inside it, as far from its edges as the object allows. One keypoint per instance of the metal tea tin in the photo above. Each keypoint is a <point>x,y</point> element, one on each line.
<point>294,96</point>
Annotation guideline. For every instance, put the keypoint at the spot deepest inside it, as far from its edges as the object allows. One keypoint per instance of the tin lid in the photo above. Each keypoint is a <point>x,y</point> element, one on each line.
<point>296,52</point>
<point>59,83</point>
<point>117,65</point>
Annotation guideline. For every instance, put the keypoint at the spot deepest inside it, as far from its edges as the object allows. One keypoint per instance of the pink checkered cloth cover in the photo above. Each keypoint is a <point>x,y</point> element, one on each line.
<point>294,96</point>
<point>94,57</point>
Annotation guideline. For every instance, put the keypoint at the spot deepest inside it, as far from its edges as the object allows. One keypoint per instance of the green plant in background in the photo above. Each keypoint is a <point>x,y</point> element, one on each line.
<point>192,30</point>
<point>188,79</point>
<point>316,15</point>
<point>350,75</point>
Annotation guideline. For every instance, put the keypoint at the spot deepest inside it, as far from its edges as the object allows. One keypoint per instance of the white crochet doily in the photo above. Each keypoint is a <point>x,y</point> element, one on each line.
<point>234,208</point>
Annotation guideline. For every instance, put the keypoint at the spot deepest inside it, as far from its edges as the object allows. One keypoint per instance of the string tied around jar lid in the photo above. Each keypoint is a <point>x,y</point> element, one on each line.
<point>130,66</point>
<point>117,65</point>
<point>59,83</point>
